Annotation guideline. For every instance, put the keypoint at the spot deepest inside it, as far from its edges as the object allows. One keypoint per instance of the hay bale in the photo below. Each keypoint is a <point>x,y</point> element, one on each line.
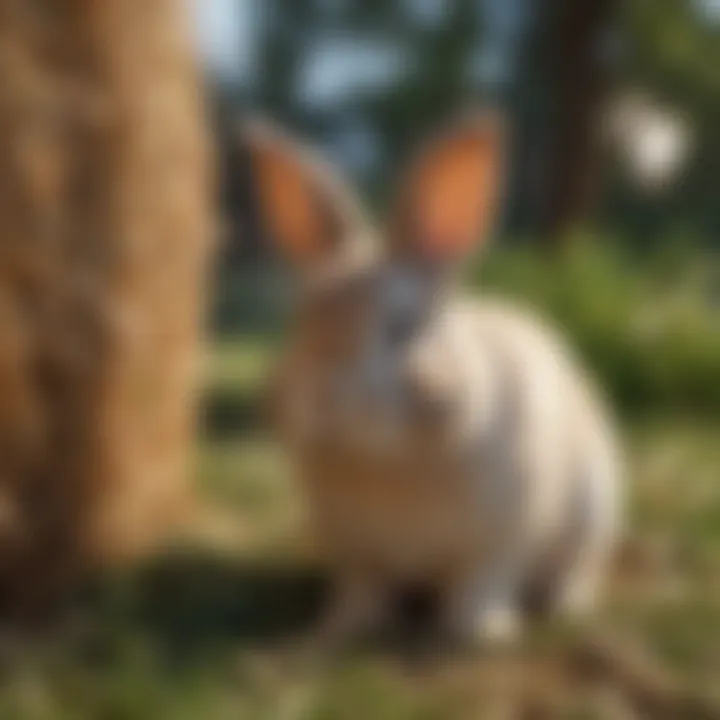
<point>105,207</point>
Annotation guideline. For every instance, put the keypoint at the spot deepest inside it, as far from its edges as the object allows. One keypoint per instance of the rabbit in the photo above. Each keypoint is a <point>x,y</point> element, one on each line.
<point>440,440</point>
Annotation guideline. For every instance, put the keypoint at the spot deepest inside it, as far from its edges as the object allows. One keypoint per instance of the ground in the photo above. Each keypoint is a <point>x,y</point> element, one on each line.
<point>206,630</point>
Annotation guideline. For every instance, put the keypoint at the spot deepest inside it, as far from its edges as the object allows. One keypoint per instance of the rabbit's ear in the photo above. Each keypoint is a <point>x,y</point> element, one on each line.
<point>449,198</point>
<point>305,208</point>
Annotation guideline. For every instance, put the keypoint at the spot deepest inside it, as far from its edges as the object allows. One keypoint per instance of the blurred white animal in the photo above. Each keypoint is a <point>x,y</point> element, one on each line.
<point>441,441</point>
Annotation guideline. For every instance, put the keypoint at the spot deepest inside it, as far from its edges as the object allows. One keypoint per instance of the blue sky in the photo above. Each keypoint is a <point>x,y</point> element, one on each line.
<point>226,29</point>
<point>225,33</point>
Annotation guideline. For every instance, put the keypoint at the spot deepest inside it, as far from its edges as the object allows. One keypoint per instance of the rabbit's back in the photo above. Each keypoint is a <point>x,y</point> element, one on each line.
<point>549,424</point>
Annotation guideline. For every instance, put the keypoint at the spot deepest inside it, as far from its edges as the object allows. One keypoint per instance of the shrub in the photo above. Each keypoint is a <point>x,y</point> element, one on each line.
<point>647,328</point>
<point>646,324</point>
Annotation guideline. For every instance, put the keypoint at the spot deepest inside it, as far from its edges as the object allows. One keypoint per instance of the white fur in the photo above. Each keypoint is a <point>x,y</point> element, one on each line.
<point>473,455</point>
<point>516,480</point>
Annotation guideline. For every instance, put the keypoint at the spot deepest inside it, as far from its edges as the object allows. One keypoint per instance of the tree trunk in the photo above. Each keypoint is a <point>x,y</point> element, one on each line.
<point>578,82</point>
<point>105,210</point>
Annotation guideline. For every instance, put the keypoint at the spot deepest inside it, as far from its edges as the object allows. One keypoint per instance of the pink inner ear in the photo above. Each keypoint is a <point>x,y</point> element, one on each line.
<point>450,230</point>
<point>452,198</point>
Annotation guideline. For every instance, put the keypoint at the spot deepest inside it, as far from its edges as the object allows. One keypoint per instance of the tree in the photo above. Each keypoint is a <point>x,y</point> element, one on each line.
<point>567,76</point>
<point>672,52</point>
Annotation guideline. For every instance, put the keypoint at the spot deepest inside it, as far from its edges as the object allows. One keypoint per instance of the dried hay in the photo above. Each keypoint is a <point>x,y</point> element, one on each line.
<point>105,207</point>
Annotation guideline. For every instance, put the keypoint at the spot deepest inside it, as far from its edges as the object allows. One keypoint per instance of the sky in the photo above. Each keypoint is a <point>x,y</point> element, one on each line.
<point>710,9</point>
<point>226,30</point>
<point>225,33</point>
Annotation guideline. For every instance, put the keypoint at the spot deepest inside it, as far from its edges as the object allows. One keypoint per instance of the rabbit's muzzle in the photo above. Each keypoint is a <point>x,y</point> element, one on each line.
<point>375,414</point>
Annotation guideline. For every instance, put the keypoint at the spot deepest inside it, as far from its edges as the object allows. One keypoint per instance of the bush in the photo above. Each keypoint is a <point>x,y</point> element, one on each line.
<point>645,324</point>
<point>647,327</point>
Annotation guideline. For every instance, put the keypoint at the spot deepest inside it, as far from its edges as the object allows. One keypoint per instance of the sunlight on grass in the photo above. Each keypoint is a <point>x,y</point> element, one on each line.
<point>205,631</point>
<point>193,636</point>
<point>238,366</point>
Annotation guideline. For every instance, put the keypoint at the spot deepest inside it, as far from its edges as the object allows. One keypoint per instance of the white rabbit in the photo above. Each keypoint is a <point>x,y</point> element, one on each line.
<point>445,441</point>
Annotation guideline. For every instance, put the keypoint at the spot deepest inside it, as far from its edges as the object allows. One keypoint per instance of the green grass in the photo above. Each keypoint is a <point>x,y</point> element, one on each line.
<point>206,629</point>
<point>203,631</point>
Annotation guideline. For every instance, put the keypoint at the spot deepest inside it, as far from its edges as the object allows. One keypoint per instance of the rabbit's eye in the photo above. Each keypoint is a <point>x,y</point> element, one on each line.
<point>400,328</point>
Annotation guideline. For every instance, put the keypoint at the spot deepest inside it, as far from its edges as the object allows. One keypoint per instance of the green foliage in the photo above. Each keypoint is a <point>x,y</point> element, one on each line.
<point>206,632</point>
<point>647,327</point>
<point>675,50</point>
